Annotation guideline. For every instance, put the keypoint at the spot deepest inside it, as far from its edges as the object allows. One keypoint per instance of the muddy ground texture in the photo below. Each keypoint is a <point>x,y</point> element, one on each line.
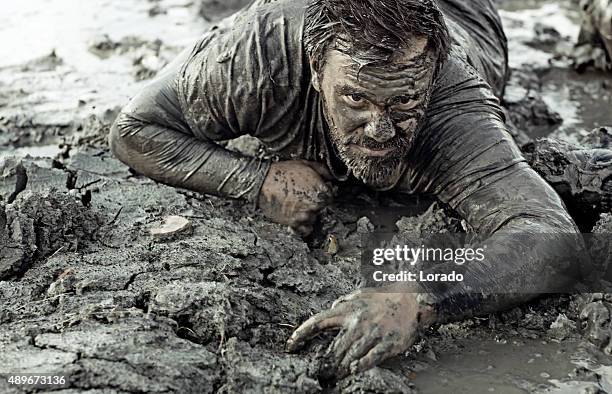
<point>87,291</point>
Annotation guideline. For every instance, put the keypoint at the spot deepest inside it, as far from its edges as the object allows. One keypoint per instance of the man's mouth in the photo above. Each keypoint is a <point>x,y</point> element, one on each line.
<point>372,152</point>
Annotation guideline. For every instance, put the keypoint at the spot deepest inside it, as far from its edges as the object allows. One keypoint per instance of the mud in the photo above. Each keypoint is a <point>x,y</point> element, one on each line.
<point>88,292</point>
<point>581,174</point>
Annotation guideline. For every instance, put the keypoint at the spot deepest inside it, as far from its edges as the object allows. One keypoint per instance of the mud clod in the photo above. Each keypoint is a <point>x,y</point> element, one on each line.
<point>582,176</point>
<point>39,224</point>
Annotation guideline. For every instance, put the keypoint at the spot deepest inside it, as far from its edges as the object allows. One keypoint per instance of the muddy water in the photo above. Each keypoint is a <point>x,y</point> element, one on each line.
<point>53,93</point>
<point>584,101</point>
<point>514,366</point>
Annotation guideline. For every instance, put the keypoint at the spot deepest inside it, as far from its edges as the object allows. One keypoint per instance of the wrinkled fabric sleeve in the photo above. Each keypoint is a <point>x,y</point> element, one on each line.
<point>469,161</point>
<point>154,136</point>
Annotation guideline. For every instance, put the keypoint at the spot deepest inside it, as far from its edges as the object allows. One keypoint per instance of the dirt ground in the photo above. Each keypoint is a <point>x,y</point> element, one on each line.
<point>87,292</point>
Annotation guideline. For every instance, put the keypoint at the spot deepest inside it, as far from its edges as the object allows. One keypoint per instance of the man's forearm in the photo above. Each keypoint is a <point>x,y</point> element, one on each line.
<point>522,261</point>
<point>180,160</point>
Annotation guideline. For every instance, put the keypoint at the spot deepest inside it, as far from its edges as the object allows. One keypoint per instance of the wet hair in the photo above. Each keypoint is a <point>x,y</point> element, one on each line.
<point>371,31</point>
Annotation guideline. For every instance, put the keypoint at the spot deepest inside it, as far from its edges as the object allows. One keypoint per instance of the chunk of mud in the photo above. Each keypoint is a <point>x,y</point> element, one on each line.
<point>599,138</point>
<point>562,328</point>
<point>257,370</point>
<point>44,63</point>
<point>157,10</point>
<point>136,354</point>
<point>147,57</point>
<point>590,55</point>
<point>582,177</point>
<point>214,10</point>
<point>594,47</point>
<point>212,311</point>
<point>37,175</point>
<point>38,224</point>
<point>456,330</point>
<point>604,225</point>
<point>545,36</point>
<point>103,46</point>
<point>595,317</point>
<point>435,220</point>
<point>376,380</point>
<point>245,145</point>
<point>600,248</point>
<point>592,366</point>
<point>172,226</point>
<point>93,130</point>
<point>365,225</point>
<point>90,167</point>
<point>527,111</point>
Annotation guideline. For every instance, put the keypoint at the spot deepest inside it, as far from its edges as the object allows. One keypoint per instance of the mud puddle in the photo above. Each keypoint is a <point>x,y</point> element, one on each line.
<point>540,35</point>
<point>503,366</point>
<point>64,60</point>
<point>583,100</point>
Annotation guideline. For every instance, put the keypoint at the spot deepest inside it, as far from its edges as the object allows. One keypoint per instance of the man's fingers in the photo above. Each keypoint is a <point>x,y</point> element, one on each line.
<point>320,322</point>
<point>341,345</point>
<point>375,356</point>
<point>320,168</point>
<point>358,350</point>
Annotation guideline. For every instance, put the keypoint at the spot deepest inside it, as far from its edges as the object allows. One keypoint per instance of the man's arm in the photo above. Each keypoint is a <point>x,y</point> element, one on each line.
<point>151,136</point>
<point>169,132</point>
<point>532,245</point>
<point>468,160</point>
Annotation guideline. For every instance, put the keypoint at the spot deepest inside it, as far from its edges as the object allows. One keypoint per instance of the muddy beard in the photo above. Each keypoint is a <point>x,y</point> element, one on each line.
<point>379,173</point>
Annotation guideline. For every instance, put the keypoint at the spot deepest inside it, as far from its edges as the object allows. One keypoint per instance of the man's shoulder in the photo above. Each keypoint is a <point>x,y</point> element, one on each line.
<point>264,39</point>
<point>251,75</point>
<point>276,7</point>
<point>270,16</point>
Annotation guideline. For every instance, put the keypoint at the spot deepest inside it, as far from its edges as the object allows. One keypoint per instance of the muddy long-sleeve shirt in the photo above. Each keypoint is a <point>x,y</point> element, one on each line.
<point>252,76</point>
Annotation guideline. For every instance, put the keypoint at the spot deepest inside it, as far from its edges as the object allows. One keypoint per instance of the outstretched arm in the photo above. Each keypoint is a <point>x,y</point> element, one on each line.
<point>468,160</point>
<point>532,247</point>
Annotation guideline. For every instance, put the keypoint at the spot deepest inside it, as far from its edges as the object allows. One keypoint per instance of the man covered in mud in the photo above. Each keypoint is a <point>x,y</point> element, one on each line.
<point>399,95</point>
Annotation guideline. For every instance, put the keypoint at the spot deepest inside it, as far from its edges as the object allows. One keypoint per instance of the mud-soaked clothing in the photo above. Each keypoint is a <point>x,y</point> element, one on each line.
<point>253,77</point>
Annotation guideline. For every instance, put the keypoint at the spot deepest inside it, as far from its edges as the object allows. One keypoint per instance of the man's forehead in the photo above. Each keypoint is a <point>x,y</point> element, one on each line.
<point>412,73</point>
<point>416,57</point>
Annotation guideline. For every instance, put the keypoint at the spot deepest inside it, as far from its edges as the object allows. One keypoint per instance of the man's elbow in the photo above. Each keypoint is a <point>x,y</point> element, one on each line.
<point>117,139</point>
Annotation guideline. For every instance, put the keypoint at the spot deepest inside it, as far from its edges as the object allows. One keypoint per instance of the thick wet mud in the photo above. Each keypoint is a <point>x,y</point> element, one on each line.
<point>87,291</point>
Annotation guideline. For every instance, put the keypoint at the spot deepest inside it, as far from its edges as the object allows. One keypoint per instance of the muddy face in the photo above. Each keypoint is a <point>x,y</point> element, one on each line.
<point>373,112</point>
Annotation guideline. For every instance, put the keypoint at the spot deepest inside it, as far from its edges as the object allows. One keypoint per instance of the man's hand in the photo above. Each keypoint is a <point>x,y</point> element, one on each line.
<point>373,327</point>
<point>294,192</point>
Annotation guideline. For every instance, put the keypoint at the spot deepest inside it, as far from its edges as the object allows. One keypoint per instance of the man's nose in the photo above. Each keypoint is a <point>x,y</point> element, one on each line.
<point>380,129</point>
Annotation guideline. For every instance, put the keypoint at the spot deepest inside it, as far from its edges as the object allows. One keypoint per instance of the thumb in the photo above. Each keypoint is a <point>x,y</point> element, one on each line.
<point>320,168</point>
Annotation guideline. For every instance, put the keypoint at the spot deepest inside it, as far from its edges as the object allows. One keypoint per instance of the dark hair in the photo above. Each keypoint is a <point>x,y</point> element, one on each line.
<point>371,31</point>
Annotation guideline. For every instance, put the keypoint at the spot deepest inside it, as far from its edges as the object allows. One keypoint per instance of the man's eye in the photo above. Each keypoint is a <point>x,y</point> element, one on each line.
<point>356,98</point>
<point>403,100</point>
<point>406,102</point>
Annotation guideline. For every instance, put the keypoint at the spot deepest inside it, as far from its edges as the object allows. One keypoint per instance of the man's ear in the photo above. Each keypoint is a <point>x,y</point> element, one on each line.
<point>316,77</point>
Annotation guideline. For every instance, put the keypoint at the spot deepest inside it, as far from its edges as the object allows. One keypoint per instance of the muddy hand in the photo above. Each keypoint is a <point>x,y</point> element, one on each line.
<point>294,192</point>
<point>373,327</point>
